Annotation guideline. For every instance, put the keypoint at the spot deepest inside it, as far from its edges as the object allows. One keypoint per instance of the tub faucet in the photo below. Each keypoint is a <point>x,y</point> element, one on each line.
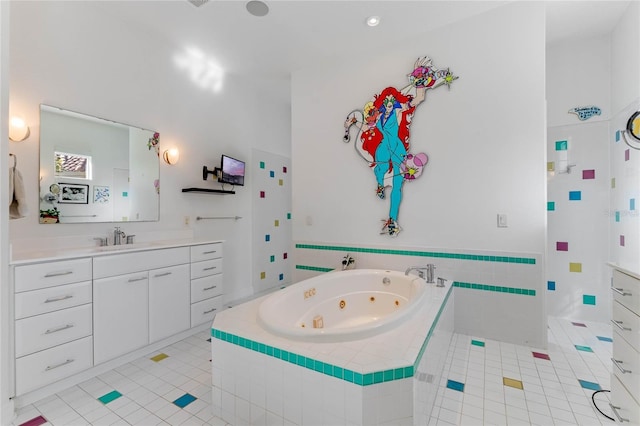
<point>424,272</point>
<point>347,261</point>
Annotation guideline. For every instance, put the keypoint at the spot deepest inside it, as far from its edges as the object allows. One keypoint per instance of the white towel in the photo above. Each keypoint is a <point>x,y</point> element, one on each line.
<point>18,204</point>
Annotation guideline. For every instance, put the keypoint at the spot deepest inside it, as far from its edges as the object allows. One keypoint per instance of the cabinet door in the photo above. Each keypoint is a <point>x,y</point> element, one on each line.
<point>120,315</point>
<point>169,301</point>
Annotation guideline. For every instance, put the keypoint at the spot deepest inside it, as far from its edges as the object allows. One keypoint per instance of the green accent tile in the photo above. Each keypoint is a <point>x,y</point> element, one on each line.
<point>561,145</point>
<point>398,373</point>
<point>348,375</point>
<point>367,379</point>
<point>338,372</point>
<point>378,377</point>
<point>308,363</point>
<point>318,366</point>
<point>477,343</point>
<point>269,350</point>
<point>284,355</point>
<point>108,397</point>
<point>358,379</point>
<point>408,371</point>
<point>262,348</point>
<point>388,375</point>
<point>588,299</point>
<point>277,353</point>
<point>262,164</point>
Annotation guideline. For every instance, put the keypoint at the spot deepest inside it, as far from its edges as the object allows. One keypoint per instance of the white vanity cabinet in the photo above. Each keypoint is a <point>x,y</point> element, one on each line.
<point>625,379</point>
<point>206,282</point>
<point>135,298</point>
<point>53,321</point>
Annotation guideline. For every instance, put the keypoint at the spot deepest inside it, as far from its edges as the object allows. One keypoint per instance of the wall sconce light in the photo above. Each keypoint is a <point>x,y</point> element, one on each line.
<point>171,156</point>
<point>18,129</point>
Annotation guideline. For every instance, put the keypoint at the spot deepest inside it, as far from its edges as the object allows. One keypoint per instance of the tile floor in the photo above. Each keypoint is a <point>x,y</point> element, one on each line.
<point>484,382</point>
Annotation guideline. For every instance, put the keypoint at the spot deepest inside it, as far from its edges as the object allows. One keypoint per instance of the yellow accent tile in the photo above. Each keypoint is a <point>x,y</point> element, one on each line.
<point>613,182</point>
<point>276,223</point>
<point>575,267</point>
<point>263,275</point>
<point>159,357</point>
<point>512,383</point>
<point>551,166</point>
<point>280,182</point>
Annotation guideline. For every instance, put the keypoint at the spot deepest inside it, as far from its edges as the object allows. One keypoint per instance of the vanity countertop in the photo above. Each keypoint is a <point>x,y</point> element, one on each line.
<point>30,256</point>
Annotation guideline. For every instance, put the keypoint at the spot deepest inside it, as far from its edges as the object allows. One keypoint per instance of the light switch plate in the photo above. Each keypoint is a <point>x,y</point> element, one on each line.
<point>502,220</point>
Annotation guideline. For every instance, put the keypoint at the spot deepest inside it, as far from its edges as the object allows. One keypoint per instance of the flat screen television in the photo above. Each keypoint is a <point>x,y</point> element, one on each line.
<point>231,171</point>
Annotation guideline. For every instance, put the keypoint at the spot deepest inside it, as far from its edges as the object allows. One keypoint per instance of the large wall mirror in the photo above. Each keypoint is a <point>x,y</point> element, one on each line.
<point>96,170</point>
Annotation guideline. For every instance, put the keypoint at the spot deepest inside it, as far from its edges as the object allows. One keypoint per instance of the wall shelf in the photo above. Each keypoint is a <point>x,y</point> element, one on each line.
<point>208,191</point>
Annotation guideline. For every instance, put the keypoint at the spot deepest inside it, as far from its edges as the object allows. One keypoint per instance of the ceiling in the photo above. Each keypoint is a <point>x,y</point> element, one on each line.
<point>296,33</point>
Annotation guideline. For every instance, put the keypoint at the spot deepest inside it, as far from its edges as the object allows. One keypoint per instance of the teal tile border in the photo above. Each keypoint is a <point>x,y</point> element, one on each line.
<point>499,289</point>
<point>330,369</point>
<point>314,268</point>
<point>461,256</point>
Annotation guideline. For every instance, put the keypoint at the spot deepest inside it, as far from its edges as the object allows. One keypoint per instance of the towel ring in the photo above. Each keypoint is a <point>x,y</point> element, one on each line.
<point>15,160</point>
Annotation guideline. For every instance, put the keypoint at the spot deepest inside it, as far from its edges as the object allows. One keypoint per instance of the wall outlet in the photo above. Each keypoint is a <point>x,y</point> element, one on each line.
<point>502,220</point>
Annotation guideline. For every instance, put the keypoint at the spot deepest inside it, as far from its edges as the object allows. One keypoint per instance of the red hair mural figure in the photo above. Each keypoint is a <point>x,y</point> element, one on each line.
<point>384,132</point>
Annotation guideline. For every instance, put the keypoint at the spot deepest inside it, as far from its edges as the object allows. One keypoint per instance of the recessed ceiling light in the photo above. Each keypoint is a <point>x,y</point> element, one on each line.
<point>257,8</point>
<point>372,21</point>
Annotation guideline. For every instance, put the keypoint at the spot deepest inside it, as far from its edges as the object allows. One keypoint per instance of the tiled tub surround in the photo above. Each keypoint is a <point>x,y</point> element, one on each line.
<point>388,378</point>
<point>500,295</point>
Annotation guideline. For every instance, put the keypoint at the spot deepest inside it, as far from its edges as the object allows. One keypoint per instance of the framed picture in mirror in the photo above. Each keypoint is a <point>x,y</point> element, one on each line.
<point>73,193</point>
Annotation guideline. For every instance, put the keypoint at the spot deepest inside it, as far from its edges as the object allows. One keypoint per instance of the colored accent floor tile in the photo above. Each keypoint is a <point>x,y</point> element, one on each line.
<point>589,385</point>
<point>36,421</point>
<point>578,324</point>
<point>604,339</point>
<point>477,343</point>
<point>541,355</point>
<point>512,383</point>
<point>456,386</point>
<point>184,400</point>
<point>583,348</point>
<point>108,397</point>
<point>159,357</point>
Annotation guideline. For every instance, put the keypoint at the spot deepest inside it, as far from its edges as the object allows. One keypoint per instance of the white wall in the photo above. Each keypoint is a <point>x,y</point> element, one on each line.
<point>129,75</point>
<point>578,74</point>
<point>486,142</point>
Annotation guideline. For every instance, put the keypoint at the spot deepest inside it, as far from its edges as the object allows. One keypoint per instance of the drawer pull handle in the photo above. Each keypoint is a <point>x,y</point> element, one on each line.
<point>620,326</point>
<point>209,268</point>
<point>132,280</point>
<point>209,288</point>
<point>617,364</point>
<point>51,367</point>
<point>58,299</point>
<point>209,252</point>
<point>621,291</point>
<point>55,330</point>
<point>209,311</point>
<point>57,274</point>
<point>164,274</point>
<point>615,411</point>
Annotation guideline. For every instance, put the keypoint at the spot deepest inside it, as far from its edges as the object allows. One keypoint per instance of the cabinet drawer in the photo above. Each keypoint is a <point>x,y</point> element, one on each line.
<point>627,324</point>
<point>41,368</point>
<point>206,287</point>
<point>206,252</point>
<point>208,267</point>
<point>49,274</point>
<point>120,264</point>
<point>51,299</point>
<point>45,331</point>
<point>626,364</point>
<point>626,290</point>
<point>625,406</point>
<point>204,311</point>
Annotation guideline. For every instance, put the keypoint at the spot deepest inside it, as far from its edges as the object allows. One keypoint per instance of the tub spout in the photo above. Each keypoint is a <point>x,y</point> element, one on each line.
<point>347,261</point>
<point>424,272</point>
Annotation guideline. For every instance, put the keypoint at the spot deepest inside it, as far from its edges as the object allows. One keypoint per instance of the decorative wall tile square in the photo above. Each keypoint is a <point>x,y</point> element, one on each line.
<point>551,285</point>
<point>512,383</point>
<point>583,348</point>
<point>605,339</point>
<point>284,169</point>
<point>159,357</point>
<point>262,164</point>
<point>613,183</point>
<point>575,267</point>
<point>626,154</point>
<point>36,421</point>
<point>575,195</point>
<point>456,386</point>
<point>588,174</point>
<point>477,343</point>
<point>541,356</point>
<point>632,204</point>
<point>617,216</point>
<point>551,166</point>
<point>184,400</point>
<point>272,258</point>
<point>272,173</point>
<point>551,206</point>
<point>263,275</point>
<point>622,240</point>
<point>588,299</point>
<point>280,182</point>
<point>578,324</point>
<point>262,195</point>
<point>108,397</point>
<point>561,145</point>
<point>589,385</point>
<point>617,135</point>
<point>285,255</point>
<point>562,246</point>
<point>267,237</point>
<point>276,223</point>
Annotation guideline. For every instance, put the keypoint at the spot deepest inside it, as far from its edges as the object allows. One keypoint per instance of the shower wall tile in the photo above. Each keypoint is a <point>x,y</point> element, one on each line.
<point>577,226</point>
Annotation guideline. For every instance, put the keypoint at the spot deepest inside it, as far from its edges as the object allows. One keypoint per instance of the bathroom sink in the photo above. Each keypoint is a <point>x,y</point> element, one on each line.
<point>121,247</point>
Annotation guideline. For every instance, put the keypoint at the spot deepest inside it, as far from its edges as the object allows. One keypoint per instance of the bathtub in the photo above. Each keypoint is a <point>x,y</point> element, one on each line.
<point>344,305</point>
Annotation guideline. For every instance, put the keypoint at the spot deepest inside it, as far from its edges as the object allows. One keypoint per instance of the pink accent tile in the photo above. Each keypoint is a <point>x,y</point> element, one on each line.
<point>284,255</point>
<point>588,174</point>
<point>540,355</point>
<point>36,421</point>
<point>622,240</point>
<point>578,324</point>
<point>626,155</point>
<point>261,194</point>
<point>284,170</point>
<point>562,246</point>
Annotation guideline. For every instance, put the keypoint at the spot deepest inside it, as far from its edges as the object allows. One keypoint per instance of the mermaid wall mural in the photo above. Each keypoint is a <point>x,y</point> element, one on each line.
<point>383,135</point>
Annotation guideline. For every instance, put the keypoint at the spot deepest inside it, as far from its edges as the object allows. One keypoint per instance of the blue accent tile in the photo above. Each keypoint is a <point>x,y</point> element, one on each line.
<point>575,195</point>
<point>604,339</point>
<point>267,237</point>
<point>456,386</point>
<point>589,385</point>
<point>632,204</point>
<point>617,135</point>
<point>617,216</point>
<point>584,348</point>
<point>184,400</point>
<point>272,173</point>
<point>281,277</point>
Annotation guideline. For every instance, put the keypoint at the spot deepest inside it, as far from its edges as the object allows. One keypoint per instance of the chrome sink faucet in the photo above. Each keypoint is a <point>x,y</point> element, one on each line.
<point>118,235</point>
